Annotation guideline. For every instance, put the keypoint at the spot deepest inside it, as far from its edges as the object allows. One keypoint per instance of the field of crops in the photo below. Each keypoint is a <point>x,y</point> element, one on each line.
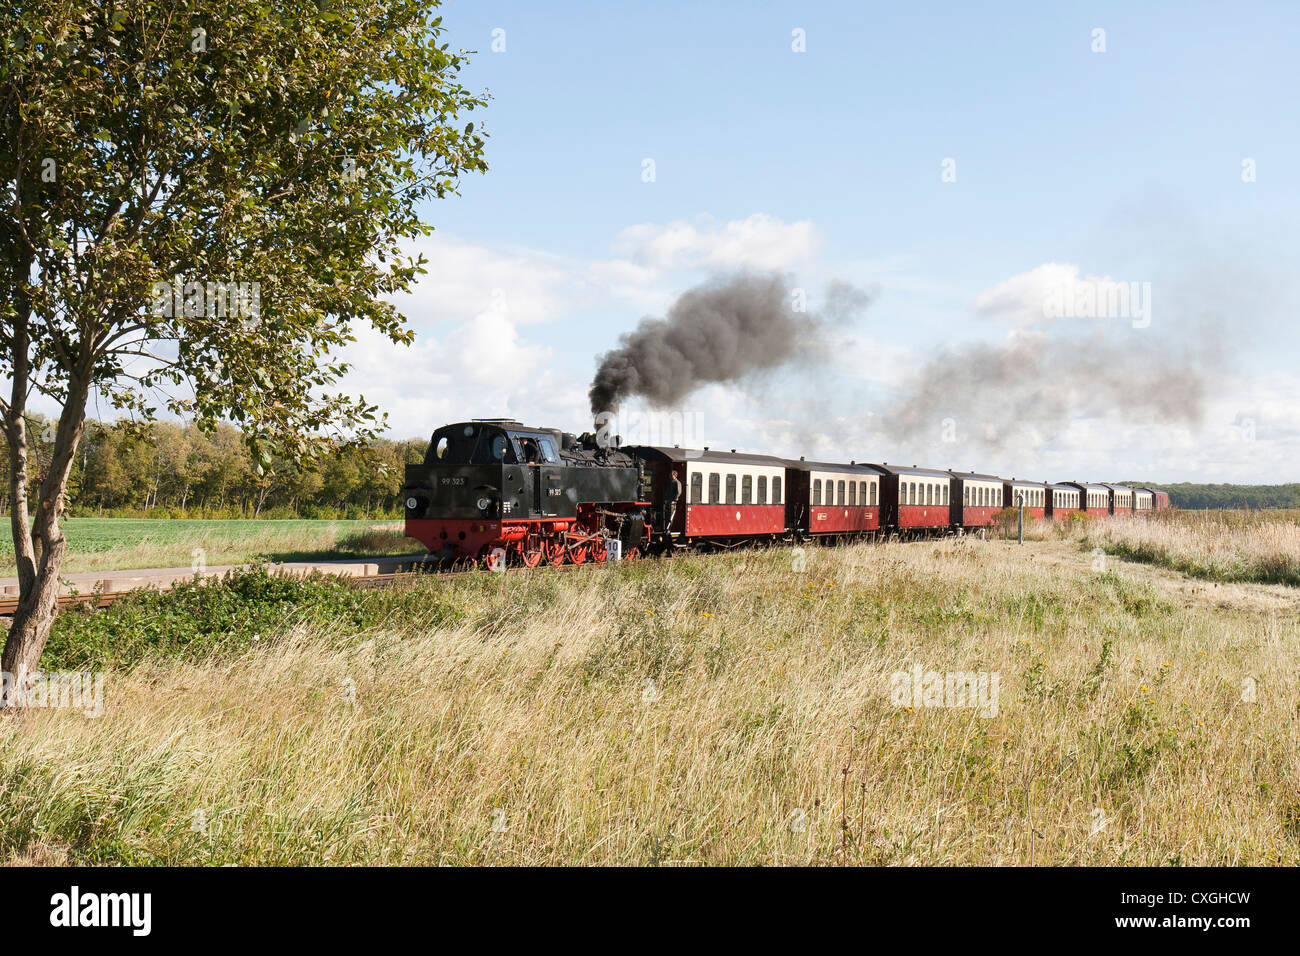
<point>107,544</point>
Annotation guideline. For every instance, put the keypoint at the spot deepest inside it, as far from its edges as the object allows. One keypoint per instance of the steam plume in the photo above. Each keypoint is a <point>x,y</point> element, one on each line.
<point>1032,389</point>
<point>721,331</point>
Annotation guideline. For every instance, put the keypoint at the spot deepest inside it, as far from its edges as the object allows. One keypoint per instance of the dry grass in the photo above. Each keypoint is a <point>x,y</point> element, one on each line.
<point>708,710</point>
<point>1261,547</point>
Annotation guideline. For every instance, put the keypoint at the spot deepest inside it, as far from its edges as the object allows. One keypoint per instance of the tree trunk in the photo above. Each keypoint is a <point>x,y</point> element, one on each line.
<point>39,552</point>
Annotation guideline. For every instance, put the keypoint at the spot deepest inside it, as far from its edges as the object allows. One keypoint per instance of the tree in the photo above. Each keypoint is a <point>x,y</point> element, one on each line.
<point>200,202</point>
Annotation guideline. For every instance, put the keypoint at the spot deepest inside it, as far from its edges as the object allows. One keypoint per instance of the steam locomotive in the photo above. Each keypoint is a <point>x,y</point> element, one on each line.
<point>496,491</point>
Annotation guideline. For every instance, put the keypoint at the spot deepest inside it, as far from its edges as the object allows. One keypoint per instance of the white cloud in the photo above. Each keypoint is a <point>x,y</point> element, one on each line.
<point>1055,291</point>
<point>465,279</point>
<point>760,241</point>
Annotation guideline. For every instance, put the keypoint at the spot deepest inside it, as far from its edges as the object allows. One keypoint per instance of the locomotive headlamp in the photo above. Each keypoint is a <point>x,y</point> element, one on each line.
<point>483,503</point>
<point>412,503</point>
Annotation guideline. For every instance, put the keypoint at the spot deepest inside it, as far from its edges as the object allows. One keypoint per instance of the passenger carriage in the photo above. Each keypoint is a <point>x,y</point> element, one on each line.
<point>915,499</point>
<point>833,499</point>
<point>1063,500</point>
<point>1143,501</point>
<point>1096,498</point>
<point>1121,499</point>
<point>1031,494</point>
<point>1159,499</point>
<point>720,495</point>
<point>976,499</point>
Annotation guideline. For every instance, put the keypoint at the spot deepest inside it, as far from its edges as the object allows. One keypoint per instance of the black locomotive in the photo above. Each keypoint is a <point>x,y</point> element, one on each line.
<point>495,489</point>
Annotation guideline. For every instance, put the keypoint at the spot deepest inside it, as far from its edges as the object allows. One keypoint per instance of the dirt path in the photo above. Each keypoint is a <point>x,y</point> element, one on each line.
<point>1266,599</point>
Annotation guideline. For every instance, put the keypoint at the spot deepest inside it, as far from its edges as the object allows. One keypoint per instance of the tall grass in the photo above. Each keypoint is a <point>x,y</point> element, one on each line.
<point>706,710</point>
<point>1245,546</point>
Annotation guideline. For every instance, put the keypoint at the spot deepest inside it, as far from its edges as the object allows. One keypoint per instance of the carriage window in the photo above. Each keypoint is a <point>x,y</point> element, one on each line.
<point>548,449</point>
<point>747,490</point>
<point>929,493</point>
<point>945,494</point>
<point>731,489</point>
<point>853,492</point>
<point>697,487</point>
<point>873,492</point>
<point>817,492</point>
<point>862,492</point>
<point>715,489</point>
<point>762,489</point>
<point>841,492</point>
<point>776,491</point>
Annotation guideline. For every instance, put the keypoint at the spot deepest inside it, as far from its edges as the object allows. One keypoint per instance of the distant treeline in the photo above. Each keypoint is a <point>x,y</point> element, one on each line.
<point>1193,497</point>
<point>173,470</point>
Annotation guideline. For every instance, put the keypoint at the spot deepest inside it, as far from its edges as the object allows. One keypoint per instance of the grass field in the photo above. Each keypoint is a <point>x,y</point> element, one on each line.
<point>1255,546</point>
<point>110,544</point>
<point>725,709</point>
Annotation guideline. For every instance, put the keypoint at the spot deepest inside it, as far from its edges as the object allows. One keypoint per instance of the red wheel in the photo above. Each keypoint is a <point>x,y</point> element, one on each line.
<point>596,550</point>
<point>531,551</point>
<point>494,559</point>
<point>578,553</point>
<point>555,551</point>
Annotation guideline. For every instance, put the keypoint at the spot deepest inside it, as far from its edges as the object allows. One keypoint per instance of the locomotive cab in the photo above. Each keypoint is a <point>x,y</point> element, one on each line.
<point>489,470</point>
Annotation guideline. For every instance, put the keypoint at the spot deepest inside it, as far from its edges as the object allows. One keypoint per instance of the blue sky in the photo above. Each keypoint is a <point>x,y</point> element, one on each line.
<point>827,164</point>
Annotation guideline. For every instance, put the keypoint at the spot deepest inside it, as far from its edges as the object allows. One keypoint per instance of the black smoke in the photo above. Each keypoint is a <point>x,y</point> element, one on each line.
<point>721,331</point>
